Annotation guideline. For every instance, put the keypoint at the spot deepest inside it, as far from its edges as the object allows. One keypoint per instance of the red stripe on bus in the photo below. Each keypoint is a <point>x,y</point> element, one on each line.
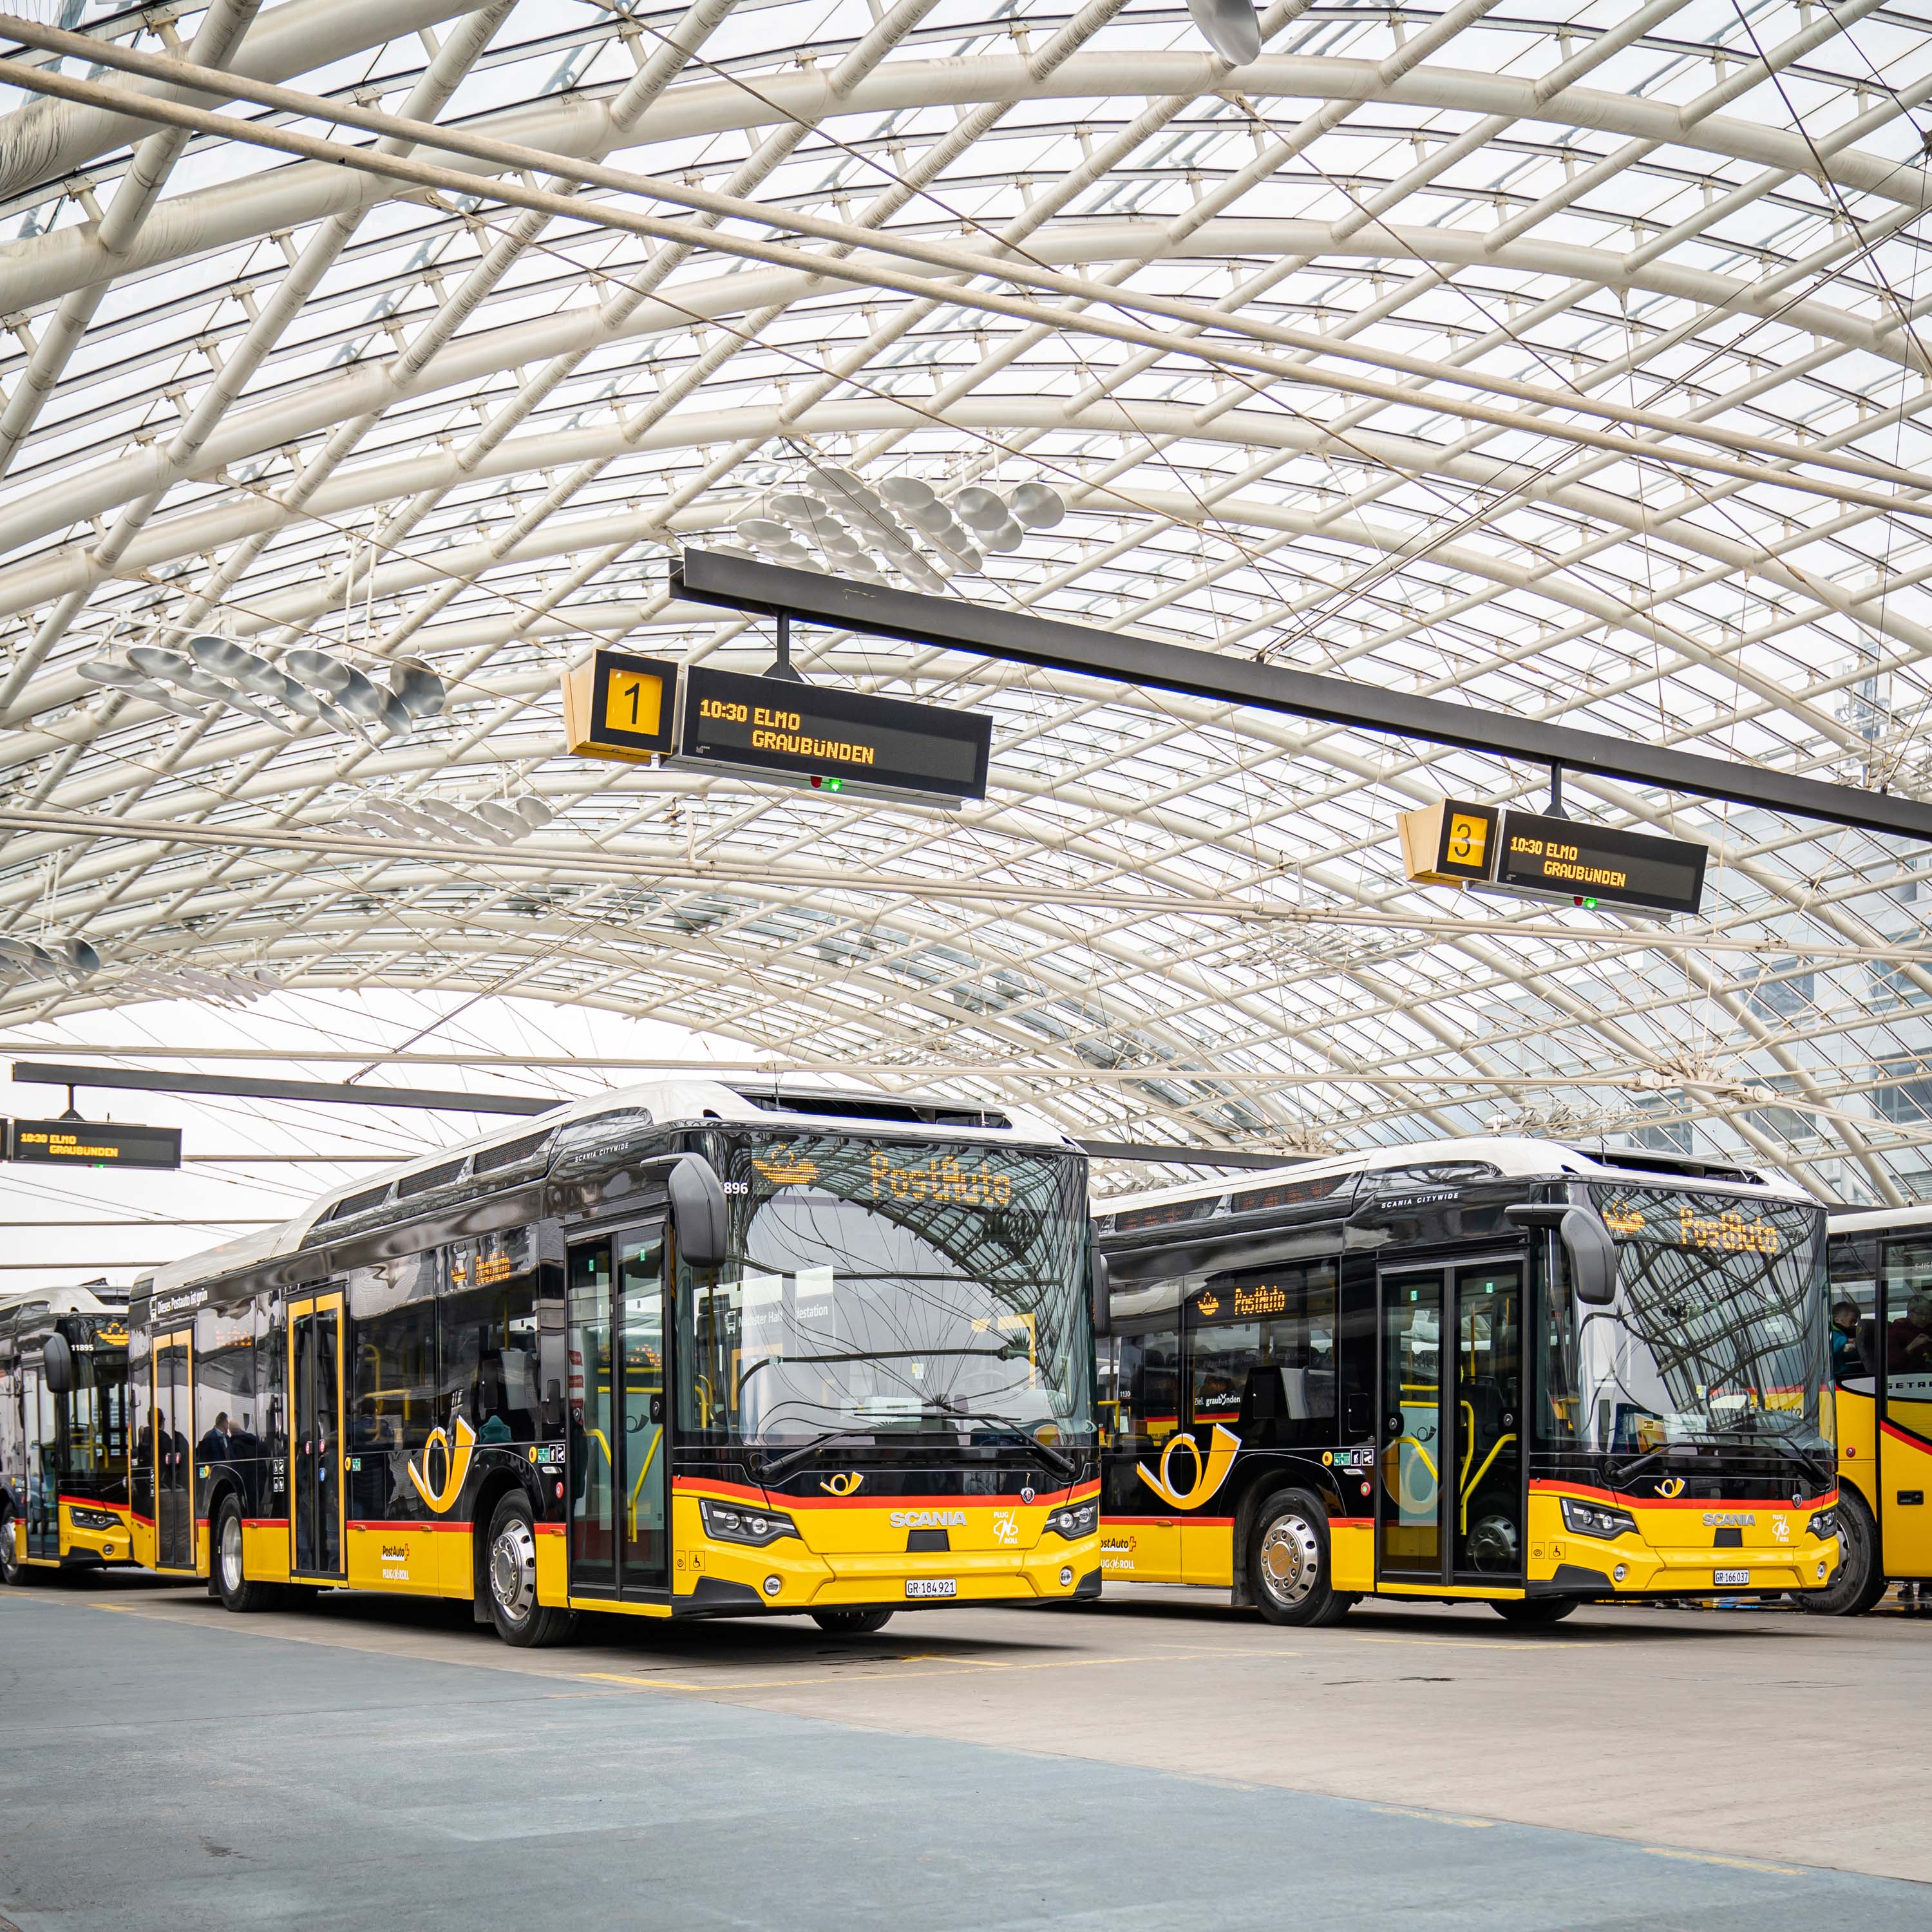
<point>879,1499</point>
<point>399,1522</point>
<point>1906,1436</point>
<point>1623,1498</point>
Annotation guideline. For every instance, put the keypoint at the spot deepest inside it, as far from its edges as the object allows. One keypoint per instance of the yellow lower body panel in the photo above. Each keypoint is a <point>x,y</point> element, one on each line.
<point>412,1559</point>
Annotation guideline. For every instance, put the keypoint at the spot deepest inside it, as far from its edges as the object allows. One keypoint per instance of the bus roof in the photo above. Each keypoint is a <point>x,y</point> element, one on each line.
<point>684,1101</point>
<point>1512,1156</point>
<point>1862,1220</point>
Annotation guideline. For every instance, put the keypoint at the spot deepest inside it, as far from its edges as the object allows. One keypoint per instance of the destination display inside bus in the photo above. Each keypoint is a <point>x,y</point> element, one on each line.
<point>92,1144</point>
<point>832,740</point>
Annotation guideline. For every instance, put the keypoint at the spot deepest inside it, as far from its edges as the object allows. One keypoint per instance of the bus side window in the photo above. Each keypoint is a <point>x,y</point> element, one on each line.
<point>1147,1385</point>
<point>1908,1326</point>
<point>1853,1262</point>
<point>1261,1357</point>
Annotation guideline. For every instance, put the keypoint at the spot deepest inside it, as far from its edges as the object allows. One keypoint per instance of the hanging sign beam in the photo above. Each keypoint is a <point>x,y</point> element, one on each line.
<point>1022,636</point>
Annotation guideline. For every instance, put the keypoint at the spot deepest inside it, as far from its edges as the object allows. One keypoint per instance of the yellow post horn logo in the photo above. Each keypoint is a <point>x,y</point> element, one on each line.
<point>1673,1487</point>
<point>456,1467</point>
<point>1210,1472</point>
<point>842,1485</point>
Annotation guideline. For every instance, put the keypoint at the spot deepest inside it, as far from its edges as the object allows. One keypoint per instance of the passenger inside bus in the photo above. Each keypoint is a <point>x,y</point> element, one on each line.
<point>1847,1359</point>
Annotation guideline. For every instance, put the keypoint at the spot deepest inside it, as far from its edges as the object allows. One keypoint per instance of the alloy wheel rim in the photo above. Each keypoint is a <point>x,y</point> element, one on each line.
<point>1290,1561</point>
<point>231,1553</point>
<point>513,1570</point>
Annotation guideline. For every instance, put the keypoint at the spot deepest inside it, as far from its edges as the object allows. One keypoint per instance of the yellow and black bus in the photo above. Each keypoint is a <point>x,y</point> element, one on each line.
<point>1881,1292</point>
<point>64,1443</point>
<point>1496,1369</point>
<point>678,1350</point>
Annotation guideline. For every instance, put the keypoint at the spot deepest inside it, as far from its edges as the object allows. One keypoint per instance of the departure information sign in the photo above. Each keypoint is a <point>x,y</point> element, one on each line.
<point>1532,856</point>
<point>832,740</point>
<point>618,705</point>
<point>91,1144</point>
<point>1599,864</point>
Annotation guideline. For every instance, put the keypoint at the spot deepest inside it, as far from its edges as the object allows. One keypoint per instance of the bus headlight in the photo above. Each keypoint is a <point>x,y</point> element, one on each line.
<point>1824,1524</point>
<point>87,1518</point>
<point>1075,1519</point>
<point>1594,1519</point>
<point>727,1522</point>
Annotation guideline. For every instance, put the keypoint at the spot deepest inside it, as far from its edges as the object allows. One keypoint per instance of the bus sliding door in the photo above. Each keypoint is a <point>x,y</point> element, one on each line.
<point>1905,1427</point>
<point>620,1542</point>
<point>1449,1499</point>
<point>315,1437</point>
<point>172,1436</point>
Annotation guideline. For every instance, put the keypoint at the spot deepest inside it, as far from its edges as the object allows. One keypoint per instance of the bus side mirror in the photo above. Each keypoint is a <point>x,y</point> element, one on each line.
<point>1103,1285</point>
<point>57,1364</point>
<point>697,1211</point>
<point>1587,1246</point>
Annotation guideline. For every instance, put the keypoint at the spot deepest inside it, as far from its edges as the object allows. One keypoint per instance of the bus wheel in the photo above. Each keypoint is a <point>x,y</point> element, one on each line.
<point>851,1623</point>
<point>514,1609</point>
<point>12,1570</point>
<point>231,1578</point>
<point>1535,1611</point>
<point>1288,1561</point>
<point>1859,1582</point>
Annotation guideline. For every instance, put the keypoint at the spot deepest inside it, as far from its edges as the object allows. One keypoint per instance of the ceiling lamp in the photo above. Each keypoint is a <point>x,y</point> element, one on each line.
<point>835,521</point>
<point>430,821</point>
<point>308,687</point>
<point>68,959</point>
<point>1232,27</point>
<point>240,987</point>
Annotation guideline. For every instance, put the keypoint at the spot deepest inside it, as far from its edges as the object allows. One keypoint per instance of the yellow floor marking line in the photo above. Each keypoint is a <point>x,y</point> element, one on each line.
<point>1739,1864</point>
<point>1436,1817</point>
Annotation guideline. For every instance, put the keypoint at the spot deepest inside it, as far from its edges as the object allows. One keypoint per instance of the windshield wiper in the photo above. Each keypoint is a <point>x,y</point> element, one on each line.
<point>1007,1351</point>
<point>777,1467</point>
<point>1059,1462</point>
<point>1825,1478</point>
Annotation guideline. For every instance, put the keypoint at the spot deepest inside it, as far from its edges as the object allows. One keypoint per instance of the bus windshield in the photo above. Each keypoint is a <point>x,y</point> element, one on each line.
<point>1717,1337</point>
<point>878,1291</point>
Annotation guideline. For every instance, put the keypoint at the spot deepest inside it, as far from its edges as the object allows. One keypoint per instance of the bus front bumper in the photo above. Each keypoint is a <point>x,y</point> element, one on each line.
<point>787,1576</point>
<point>1627,1566</point>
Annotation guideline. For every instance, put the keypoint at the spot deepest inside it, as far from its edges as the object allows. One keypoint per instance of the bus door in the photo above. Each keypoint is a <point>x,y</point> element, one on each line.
<point>1905,1425</point>
<point>620,1540</point>
<point>315,1436</point>
<point>43,1466</point>
<point>1449,1501</point>
<point>171,1432</point>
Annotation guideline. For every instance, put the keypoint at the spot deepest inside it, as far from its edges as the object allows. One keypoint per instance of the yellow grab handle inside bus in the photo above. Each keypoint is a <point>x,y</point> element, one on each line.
<point>1501,1444</point>
<point>636,1488</point>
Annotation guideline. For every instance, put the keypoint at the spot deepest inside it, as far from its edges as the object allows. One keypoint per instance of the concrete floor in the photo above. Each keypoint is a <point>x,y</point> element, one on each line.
<point>1157,1761</point>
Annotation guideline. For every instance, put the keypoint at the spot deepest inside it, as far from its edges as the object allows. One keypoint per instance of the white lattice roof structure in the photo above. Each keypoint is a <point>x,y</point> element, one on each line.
<point>1564,359</point>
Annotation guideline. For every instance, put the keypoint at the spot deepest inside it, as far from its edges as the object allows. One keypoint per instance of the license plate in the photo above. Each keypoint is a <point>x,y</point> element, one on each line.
<point>931,1586</point>
<point>1734,1579</point>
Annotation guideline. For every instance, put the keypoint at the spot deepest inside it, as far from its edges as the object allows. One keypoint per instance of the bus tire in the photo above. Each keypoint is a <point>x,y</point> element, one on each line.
<point>1287,1560</point>
<point>851,1623</point>
<point>510,1574</point>
<point>231,1584</point>
<point>12,1570</point>
<point>1859,1582</point>
<point>1533,1612</point>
